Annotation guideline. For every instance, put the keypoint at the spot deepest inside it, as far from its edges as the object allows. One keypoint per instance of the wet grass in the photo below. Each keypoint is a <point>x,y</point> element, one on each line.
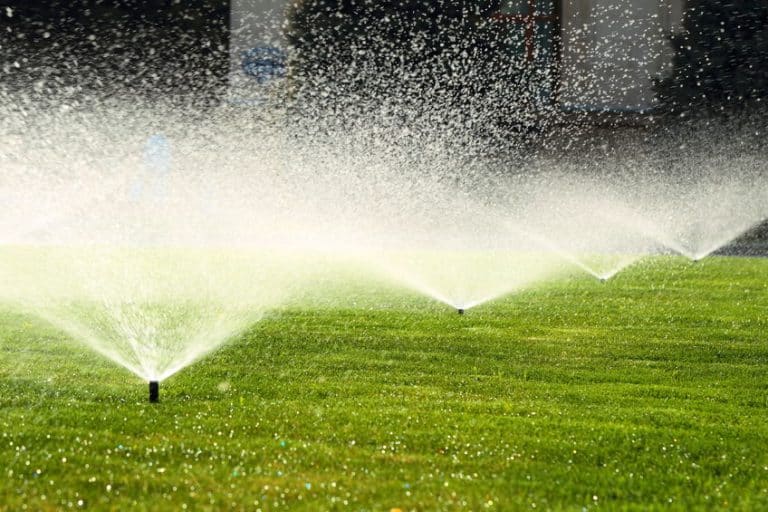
<point>646,392</point>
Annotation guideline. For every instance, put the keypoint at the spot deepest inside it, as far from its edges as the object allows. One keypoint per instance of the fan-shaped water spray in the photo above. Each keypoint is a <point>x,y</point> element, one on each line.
<point>157,257</point>
<point>164,233</point>
<point>705,201</point>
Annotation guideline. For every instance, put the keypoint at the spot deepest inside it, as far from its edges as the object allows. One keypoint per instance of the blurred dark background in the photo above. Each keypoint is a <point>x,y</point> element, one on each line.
<point>108,47</point>
<point>181,47</point>
<point>720,60</point>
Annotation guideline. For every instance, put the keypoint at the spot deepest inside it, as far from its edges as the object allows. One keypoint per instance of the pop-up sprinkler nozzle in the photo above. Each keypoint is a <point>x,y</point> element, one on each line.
<point>460,311</point>
<point>603,279</point>
<point>154,391</point>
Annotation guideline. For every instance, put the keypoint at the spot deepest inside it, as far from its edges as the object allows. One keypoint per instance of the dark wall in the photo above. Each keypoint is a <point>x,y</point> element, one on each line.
<point>114,46</point>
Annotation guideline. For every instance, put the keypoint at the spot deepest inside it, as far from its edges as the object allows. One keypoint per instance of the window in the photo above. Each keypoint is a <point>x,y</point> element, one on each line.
<point>532,28</point>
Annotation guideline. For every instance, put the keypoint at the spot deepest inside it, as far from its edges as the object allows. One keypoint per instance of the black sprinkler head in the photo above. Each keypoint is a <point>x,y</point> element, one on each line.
<point>154,391</point>
<point>461,311</point>
<point>603,279</point>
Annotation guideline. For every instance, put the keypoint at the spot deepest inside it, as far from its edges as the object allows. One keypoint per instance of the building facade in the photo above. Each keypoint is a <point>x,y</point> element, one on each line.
<point>602,55</point>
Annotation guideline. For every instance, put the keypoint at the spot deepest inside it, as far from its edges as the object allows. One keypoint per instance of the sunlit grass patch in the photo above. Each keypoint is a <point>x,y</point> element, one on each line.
<point>644,392</point>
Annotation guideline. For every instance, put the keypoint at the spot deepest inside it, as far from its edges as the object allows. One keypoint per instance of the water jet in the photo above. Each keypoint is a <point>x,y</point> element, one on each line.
<point>154,391</point>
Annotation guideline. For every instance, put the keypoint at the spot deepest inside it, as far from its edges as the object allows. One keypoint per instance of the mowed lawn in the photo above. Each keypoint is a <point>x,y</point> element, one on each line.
<point>646,392</point>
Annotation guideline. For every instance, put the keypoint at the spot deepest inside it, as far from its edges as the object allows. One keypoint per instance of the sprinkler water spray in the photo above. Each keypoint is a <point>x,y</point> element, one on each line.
<point>154,391</point>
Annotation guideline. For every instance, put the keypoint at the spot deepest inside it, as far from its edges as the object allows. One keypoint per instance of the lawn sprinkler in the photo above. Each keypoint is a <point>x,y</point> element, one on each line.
<point>154,391</point>
<point>460,311</point>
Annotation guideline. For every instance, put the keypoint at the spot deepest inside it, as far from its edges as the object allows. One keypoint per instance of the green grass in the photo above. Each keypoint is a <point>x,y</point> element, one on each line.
<point>646,392</point>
